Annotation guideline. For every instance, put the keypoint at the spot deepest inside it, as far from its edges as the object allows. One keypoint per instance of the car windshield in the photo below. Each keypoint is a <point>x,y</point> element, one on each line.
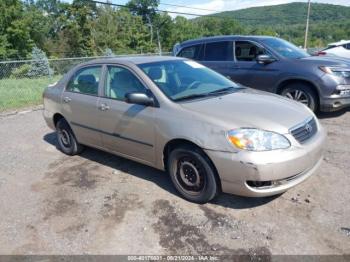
<point>185,79</point>
<point>284,48</point>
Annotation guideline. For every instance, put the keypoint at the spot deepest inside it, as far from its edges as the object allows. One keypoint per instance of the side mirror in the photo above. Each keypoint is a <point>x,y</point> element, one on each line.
<point>139,99</point>
<point>265,59</point>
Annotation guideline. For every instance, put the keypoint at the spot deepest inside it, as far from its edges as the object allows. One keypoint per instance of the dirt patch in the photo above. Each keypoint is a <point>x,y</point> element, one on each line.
<point>59,208</point>
<point>116,205</point>
<point>180,237</point>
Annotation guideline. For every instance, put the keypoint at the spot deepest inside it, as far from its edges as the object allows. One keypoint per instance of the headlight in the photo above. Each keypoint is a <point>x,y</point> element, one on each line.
<point>337,71</point>
<point>257,140</point>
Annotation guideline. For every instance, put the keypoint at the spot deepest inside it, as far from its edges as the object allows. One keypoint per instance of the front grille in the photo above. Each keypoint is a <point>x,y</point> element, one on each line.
<point>305,131</point>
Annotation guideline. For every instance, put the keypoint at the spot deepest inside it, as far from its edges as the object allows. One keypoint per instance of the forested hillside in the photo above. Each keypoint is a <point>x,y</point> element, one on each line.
<point>84,28</point>
<point>327,22</point>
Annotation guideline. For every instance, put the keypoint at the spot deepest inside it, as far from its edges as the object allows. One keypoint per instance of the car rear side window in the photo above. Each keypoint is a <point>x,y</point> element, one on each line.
<point>192,52</point>
<point>247,51</point>
<point>121,81</point>
<point>218,51</point>
<point>347,46</point>
<point>85,81</point>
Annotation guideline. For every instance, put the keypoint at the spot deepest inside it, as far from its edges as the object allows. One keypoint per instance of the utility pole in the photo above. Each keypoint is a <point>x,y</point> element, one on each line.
<point>307,24</point>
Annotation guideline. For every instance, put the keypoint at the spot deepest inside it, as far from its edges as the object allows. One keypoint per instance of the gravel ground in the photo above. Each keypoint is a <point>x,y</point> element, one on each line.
<point>97,203</point>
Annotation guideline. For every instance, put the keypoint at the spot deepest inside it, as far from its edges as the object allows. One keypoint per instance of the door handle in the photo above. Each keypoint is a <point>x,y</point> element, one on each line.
<point>67,99</point>
<point>104,107</point>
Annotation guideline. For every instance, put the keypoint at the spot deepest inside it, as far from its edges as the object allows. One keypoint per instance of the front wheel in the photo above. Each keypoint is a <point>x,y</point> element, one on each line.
<point>301,93</point>
<point>192,174</point>
<point>67,142</point>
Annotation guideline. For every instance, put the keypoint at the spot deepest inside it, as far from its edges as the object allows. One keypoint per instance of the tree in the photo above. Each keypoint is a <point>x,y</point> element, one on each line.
<point>40,65</point>
<point>120,31</point>
<point>15,41</point>
<point>77,28</point>
<point>108,52</point>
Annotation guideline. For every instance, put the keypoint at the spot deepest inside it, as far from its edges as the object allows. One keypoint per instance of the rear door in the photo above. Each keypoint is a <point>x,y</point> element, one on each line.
<point>127,129</point>
<point>219,57</point>
<point>80,104</point>
<point>248,71</point>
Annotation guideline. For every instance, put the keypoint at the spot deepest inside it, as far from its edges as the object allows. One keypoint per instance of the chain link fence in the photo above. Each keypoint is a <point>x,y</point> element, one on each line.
<point>23,82</point>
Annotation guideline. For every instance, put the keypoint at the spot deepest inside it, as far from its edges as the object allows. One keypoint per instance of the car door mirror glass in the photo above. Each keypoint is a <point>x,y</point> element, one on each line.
<point>265,59</point>
<point>139,99</point>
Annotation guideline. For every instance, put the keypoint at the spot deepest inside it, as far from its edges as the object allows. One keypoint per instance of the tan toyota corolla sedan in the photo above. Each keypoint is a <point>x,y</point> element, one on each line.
<point>209,133</point>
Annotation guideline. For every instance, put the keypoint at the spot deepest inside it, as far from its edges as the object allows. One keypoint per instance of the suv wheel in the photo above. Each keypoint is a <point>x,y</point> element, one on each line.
<point>66,139</point>
<point>192,174</point>
<point>301,93</point>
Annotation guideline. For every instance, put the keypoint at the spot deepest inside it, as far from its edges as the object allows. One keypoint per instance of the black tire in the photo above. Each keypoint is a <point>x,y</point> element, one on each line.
<point>192,174</point>
<point>306,94</point>
<point>67,142</point>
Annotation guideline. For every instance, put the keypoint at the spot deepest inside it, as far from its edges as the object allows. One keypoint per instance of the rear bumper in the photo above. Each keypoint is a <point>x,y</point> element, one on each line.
<point>278,169</point>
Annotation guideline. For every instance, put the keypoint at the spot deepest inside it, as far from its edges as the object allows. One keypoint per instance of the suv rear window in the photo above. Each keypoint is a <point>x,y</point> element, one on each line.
<point>191,52</point>
<point>219,51</point>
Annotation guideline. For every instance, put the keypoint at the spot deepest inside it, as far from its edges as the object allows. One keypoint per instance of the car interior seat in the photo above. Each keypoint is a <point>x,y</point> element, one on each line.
<point>123,82</point>
<point>87,84</point>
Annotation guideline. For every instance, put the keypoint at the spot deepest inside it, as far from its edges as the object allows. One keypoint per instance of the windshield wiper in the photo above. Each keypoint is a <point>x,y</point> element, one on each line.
<point>212,93</point>
<point>193,96</point>
<point>223,90</point>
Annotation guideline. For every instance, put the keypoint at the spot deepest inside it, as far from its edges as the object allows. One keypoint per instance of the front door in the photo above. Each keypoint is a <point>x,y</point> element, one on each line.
<point>249,72</point>
<point>128,129</point>
<point>80,105</point>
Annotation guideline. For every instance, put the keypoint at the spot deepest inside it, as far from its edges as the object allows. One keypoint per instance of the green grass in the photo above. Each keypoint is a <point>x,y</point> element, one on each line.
<point>19,93</point>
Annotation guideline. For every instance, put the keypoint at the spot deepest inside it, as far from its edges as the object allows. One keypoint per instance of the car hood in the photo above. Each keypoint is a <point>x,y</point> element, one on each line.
<point>251,108</point>
<point>327,61</point>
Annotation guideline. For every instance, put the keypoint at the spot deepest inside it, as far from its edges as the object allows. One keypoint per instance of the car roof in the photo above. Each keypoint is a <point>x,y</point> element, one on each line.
<point>223,38</point>
<point>132,60</point>
<point>342,42</point>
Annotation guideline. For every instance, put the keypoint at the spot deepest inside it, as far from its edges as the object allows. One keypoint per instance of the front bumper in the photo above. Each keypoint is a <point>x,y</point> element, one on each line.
<point>334,103</point>
<point>282,168</point>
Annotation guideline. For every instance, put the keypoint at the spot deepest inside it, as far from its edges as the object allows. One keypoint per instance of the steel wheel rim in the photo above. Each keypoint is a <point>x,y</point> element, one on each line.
<point>189,175</point>
<point>64,138</point>
<point>299,96</point>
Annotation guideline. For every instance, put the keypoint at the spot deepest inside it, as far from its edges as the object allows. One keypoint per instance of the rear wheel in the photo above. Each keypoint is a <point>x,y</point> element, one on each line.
<point>192,174</point>
<point>301,93</point>
<point>66,139</point>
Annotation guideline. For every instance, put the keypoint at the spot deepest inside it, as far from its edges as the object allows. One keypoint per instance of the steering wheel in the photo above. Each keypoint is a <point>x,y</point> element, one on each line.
<point>194,84</point>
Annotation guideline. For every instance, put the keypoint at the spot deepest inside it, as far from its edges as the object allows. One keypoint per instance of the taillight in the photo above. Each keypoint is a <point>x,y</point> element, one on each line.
<point>322,53</point>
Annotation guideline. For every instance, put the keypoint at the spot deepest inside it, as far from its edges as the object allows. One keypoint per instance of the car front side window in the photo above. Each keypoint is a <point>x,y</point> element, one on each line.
<point>85,81</point>
<point>121,81</point>
<point>247,51</point>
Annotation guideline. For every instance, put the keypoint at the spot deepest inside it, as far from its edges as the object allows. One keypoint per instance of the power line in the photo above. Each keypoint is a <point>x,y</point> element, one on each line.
<point>190,7</point>
<point>174,12</point>
<point>192,14</point>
